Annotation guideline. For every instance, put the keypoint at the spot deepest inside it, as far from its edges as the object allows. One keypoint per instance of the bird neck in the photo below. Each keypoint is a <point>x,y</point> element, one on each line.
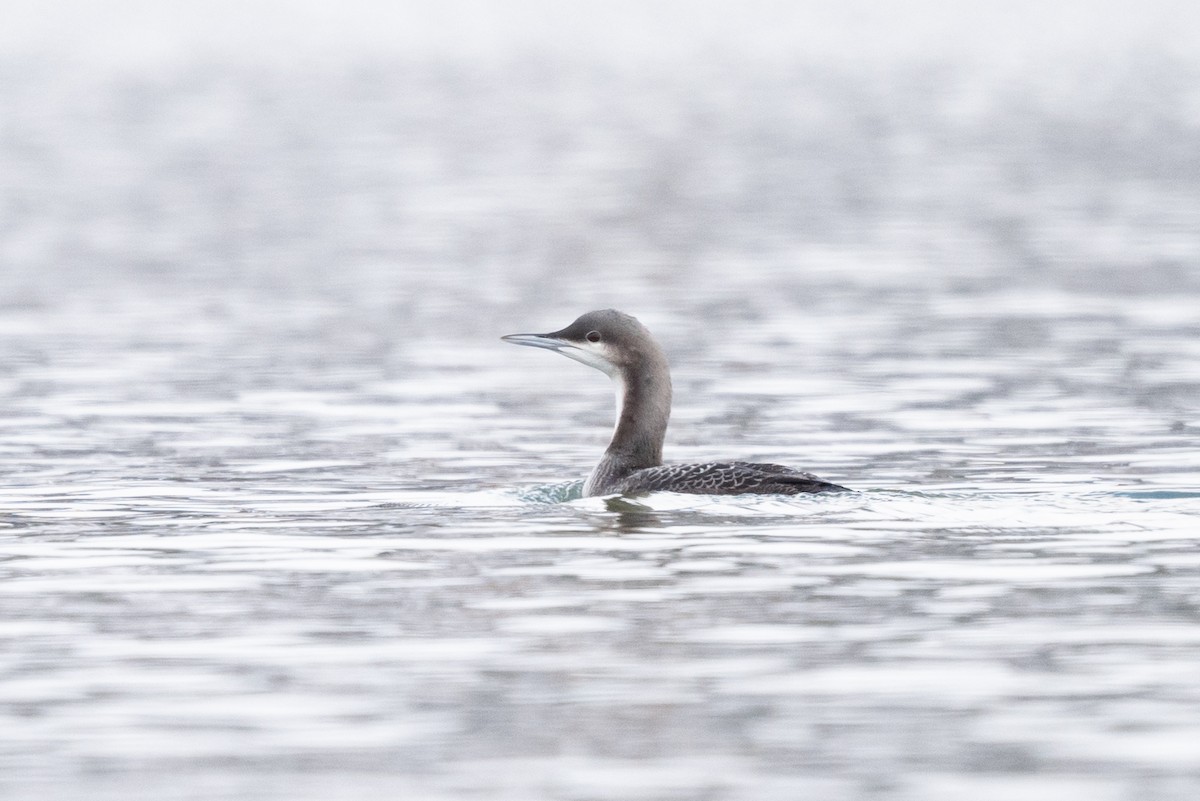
<point>643,411</point>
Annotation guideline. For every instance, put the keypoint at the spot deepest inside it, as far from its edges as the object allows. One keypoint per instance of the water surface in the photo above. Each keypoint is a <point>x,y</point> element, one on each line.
<point>281,517</point>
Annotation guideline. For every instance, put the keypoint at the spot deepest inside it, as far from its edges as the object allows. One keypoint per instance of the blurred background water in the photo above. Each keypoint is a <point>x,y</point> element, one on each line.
<point>277,508</point>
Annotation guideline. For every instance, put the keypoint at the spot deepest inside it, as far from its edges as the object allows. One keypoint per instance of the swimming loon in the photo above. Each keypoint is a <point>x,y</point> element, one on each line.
<point>621,347</point>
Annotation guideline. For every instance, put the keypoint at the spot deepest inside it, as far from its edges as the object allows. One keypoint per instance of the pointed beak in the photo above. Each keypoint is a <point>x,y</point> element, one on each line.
<point>547,341</point>
<point>554,342</point>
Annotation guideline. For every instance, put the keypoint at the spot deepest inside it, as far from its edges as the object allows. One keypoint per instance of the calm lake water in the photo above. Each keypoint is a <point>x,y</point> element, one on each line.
<point>282,518</point>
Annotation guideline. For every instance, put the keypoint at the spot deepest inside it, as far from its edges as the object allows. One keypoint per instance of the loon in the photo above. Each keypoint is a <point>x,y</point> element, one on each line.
<point>619,346</point>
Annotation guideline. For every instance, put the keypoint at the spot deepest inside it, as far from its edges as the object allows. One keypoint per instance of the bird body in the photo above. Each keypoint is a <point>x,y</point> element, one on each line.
<point>621,347</point>
<point>722,478</point>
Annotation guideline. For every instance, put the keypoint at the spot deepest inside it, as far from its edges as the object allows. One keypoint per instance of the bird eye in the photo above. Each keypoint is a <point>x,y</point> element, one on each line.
<point>593,336</point>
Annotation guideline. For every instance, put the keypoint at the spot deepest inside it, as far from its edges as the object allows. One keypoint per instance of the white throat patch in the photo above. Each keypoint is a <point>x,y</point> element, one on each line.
<point>593,356</point>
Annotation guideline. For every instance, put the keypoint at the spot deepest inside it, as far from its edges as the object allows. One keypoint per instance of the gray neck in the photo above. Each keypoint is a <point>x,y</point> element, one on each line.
<point>643,409</point>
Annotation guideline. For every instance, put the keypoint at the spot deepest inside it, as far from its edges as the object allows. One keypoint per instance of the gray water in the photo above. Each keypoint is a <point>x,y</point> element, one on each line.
<point>282,518</point>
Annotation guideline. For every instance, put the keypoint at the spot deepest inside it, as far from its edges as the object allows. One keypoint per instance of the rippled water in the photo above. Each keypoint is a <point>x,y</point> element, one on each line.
<point>281,517</point>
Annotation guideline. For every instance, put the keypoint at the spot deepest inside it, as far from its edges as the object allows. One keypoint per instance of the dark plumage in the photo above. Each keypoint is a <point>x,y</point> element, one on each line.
<point>724,478</point>
<point>622,348</point>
